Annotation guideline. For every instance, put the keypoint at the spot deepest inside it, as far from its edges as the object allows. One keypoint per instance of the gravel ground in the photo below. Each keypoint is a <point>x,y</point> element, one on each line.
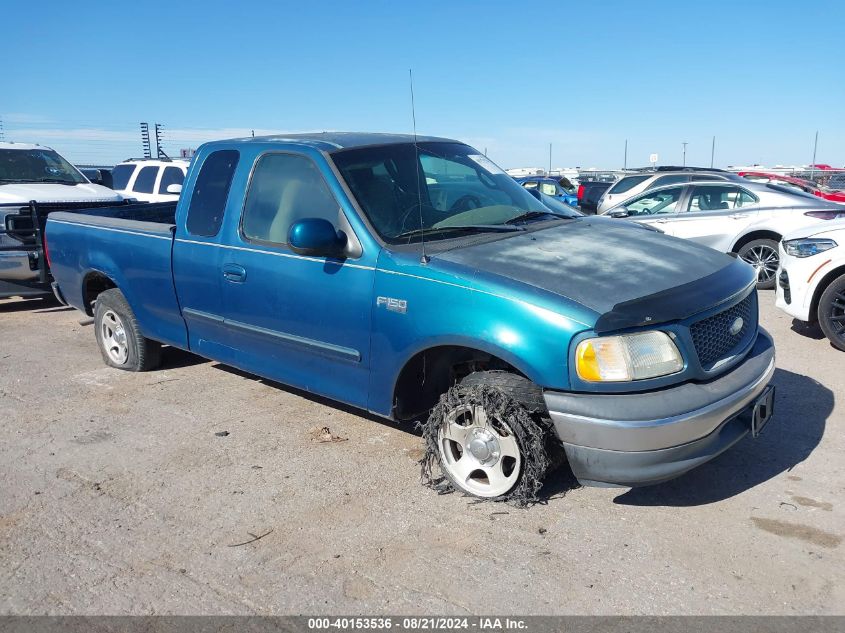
<point>123,494</point>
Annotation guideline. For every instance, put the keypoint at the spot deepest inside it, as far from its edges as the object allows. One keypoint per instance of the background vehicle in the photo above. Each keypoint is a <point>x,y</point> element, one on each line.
<point>550,187</point>
<point>630,185</point>
<point>745,218</point>
<point>35,180</point>
<point>811,279</point>
<point>148,179</point>
<point>325,261</point>
<point>98,175</point>
<point>589,193</point>
<point>807,186</point>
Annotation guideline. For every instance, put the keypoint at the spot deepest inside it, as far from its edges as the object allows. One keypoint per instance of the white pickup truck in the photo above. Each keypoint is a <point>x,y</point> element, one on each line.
<point>36,176</point>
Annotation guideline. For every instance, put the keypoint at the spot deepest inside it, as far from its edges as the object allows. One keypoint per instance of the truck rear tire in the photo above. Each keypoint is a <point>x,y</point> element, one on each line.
<point>118,336</point>
<point>488,437</point>
<point>831,312</point>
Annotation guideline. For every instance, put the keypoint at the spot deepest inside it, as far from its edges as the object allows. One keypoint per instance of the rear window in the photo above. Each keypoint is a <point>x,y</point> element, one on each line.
<point>146,180</point>
<point>120,176</point>
<point>211,190</point>
<point>628,183</point>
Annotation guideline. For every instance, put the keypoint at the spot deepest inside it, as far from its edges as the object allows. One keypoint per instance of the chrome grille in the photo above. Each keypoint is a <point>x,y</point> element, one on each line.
<point>712,336</point>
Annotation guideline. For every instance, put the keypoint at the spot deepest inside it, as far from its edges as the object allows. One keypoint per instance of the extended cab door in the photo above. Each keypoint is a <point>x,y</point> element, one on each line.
<point>714,214</point>
<point>302,320</point>
<point>198,252</point>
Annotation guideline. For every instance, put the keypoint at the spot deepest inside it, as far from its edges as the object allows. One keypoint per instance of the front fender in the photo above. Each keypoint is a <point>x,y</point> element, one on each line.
<point>443,309</point>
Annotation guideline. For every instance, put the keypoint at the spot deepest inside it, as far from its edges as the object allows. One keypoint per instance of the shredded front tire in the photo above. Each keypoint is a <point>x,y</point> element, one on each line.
<point>506,421</point>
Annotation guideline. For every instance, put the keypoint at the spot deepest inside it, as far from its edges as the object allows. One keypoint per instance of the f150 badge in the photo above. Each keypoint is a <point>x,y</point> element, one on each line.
<point>393,305</point>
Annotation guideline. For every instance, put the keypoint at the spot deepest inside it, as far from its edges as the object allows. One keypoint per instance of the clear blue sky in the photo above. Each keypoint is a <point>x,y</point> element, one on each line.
<point>512,77</point>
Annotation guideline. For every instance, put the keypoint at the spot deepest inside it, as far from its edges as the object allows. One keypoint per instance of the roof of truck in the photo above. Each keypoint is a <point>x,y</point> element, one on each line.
<point>20,146</point>
<point>329,141</point>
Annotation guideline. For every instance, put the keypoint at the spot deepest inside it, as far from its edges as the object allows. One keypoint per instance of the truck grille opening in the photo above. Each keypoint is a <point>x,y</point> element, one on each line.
<point>713,337</point>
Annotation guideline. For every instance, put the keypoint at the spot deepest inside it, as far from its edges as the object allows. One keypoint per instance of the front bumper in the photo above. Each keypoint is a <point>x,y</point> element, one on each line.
<point>17,266</point>
<point>646,438</point>
<point>801,276</point>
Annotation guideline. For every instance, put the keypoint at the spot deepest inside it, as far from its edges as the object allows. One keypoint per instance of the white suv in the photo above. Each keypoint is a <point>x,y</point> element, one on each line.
<point>149,179</point>
<point>811,278</point>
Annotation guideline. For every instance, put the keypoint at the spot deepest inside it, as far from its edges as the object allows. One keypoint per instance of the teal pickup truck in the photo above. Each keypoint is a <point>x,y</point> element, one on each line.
<point>414,279</point>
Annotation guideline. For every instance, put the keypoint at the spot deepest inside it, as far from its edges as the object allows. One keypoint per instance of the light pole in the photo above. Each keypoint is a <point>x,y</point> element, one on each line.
<point>684,143</point>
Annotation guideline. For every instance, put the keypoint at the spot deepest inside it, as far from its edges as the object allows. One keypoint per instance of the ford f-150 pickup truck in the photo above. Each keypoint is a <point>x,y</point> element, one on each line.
<point>413,277</point>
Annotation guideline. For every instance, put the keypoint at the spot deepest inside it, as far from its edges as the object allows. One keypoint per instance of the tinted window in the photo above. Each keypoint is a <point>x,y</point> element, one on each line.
<point>628,183</point>
<point>669,180</point>
<point>656,202</point>
<point>146,180</point>
<point>208,201</point>
<point>719,198</point>
<point>121,175</point>
<point>171,176</point>
<point>285,189</point>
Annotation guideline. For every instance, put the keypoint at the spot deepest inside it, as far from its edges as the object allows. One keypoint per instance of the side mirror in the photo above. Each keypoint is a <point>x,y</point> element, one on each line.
<point>621,213</point>
<point>174,189</point>
<point>315,236</point>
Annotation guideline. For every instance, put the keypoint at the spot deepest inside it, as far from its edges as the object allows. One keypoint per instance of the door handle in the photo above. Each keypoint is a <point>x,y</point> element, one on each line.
<point>737,216</point>
<point>234,272</point>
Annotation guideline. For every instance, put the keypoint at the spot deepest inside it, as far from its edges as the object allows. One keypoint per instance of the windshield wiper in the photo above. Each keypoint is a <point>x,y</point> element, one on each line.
<point>463,228</point>
<point>531,215</point>
<point>60,181</point>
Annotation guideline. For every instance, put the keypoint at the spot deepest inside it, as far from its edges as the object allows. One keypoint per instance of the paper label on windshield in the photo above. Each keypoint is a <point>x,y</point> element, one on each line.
<point>486,164</point>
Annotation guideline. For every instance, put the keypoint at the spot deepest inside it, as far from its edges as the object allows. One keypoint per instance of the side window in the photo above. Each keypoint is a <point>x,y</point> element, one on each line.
<point>171,176</point>
<point>530,184</point>
<point>657,202</point>
<point>548,188</point>
<point>669,180</point>
<point>285,188</point>
<point>719,198</point>
<point>627,183</point>
<point>145,180</point>
<point>208,201</point>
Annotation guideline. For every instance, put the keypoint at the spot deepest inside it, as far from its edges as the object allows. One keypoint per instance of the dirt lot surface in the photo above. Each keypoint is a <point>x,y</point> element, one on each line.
<point>123,494</point>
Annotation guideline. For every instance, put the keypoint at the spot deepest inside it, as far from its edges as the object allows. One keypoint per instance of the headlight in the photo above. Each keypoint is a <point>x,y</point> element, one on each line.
<point>627,357</point>
<point>807,246</point>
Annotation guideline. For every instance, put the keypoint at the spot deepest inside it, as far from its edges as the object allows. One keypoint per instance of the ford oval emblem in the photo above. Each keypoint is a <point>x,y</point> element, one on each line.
<point>736,326</point>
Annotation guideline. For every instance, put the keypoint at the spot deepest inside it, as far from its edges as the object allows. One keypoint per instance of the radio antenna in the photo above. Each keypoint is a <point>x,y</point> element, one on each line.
<point>424,259</point>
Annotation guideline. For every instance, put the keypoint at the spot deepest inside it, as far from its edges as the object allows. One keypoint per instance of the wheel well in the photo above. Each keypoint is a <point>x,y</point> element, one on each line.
<point>431,372</point>
<point>828,279</point>
<point>755,235</point>
<point>92,286</point>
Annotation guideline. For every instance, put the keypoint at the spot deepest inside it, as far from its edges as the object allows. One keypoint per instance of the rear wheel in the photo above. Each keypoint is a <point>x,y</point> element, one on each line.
<point>831,312</point>
<point>763,255</point>
<point>120,340</point>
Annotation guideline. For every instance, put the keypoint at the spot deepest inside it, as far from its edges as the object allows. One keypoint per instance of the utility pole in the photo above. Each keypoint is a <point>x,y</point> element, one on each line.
<point>625,159</point>
<point>712,152</point>
<point>145,140</point>
<point>815,147</point>
<point>684,143</point>
<point>550,159</point>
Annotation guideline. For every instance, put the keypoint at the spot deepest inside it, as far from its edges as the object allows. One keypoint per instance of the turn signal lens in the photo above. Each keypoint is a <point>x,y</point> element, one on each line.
<point>627,357</point>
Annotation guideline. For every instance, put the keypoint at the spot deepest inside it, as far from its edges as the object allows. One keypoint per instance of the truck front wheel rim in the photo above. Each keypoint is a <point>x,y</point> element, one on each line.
<point>113,335</point>
<point>482,458</point>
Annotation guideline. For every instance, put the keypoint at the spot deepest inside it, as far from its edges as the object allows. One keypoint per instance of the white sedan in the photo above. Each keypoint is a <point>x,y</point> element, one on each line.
<point>811,278</point>
<point>744,218</point>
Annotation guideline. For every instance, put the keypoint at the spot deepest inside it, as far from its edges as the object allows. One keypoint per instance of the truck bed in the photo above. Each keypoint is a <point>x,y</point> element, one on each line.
<point>130,248</point>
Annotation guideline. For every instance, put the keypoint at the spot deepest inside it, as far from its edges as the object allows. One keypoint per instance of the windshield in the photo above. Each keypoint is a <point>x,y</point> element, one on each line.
<point>440,187</point>
<point>37,165</point>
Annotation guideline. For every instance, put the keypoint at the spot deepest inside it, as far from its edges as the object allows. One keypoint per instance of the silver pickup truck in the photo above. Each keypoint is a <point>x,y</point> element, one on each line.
<point>35,180</point>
